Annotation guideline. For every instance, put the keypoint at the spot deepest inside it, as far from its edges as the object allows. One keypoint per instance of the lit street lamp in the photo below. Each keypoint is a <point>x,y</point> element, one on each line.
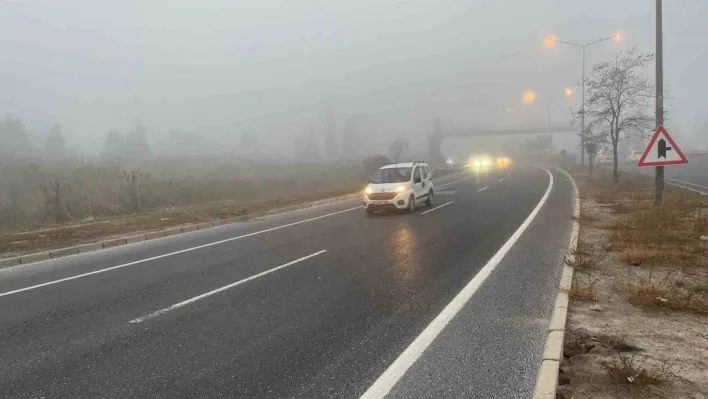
<point>550,42</point>
<point>529,97</point>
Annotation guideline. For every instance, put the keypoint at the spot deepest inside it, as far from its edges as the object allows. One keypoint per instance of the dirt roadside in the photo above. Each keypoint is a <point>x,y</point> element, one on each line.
<point>638,316</point>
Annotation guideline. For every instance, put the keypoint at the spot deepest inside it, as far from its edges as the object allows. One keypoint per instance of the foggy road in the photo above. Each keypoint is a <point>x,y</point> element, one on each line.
<point>693,175</point>
<point>316,303</point>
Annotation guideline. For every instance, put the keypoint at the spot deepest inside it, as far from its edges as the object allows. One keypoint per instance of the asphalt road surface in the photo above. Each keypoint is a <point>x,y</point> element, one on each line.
<point>317,303</point>
<point>693,176</point>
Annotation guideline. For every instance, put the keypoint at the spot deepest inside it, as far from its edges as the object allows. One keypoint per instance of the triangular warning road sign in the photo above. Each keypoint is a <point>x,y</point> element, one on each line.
<point>662,150</point>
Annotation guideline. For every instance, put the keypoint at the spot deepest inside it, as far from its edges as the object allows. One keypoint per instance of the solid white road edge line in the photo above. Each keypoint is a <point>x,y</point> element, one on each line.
<point>437,207</point>
<point>677,182</point>
<point>687,182</point>
<point>482,189</point>
<point>398,368</point>
<point>680,183</point>
<point>218,290</point>
<point>501,180</point>
<point>172,253</point>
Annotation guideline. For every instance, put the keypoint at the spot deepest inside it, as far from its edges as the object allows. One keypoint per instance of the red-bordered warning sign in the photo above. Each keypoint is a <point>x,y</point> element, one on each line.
<point>662,150</point>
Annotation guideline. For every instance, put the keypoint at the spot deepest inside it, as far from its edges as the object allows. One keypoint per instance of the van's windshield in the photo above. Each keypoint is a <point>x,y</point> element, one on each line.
<point>392,175</point>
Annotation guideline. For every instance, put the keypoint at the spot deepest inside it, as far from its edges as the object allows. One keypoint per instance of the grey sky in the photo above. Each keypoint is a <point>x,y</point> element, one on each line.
<point>220,66</point>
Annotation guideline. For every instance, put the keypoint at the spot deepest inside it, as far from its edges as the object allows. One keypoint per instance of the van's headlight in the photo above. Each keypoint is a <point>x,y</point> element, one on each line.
<point>477,163</point>
<point>400,189</point>
<point>368,190</point>
<point>485,162</point>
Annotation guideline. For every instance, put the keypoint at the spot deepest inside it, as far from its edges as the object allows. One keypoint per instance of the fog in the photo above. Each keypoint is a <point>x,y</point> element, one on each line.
<point>276,69</point>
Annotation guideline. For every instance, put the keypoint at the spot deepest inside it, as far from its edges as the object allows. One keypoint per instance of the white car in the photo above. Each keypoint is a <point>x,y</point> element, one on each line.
<point>401,186</point>
<point>604,159</point>
<point>634,157</point>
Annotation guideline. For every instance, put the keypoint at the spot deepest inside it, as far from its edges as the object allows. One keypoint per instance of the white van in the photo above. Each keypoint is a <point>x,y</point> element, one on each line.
<point>400,186</point>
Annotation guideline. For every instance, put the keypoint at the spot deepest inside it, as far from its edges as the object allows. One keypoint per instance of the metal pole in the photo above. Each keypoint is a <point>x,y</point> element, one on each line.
<point>582,116</point>
<point>659,178</point>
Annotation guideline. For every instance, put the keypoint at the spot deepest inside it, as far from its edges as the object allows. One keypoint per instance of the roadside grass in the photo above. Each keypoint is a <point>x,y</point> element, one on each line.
<point>659,304</point>
<point>666,293</point>
<point>35,195</point>
<point>583,288</point>
<point>642,234</point>
<point>628,369</point>
<point>701,222</point>
<point>585,216</point>
<point>649,234</point>
<point>637,255</point>
<point>621,207</point>
<point>584,256</point>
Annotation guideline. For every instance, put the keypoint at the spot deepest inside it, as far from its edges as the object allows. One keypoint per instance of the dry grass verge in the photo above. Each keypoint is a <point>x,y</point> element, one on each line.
<point>642,275</point>
<point>584,256</point>
<point>666,293</point>
<point>583,288</point>
<point>627,369</point>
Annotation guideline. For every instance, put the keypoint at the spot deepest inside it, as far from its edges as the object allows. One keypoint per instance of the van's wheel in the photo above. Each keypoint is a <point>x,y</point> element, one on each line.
<point>369,211</point>
<point>411,204</point>
<point>429,201</point>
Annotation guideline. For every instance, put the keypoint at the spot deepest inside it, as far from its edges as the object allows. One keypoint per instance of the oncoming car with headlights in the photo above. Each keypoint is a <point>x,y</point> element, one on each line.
<point>503,163</point>
<point>481,163</point>
<point>401,186</point>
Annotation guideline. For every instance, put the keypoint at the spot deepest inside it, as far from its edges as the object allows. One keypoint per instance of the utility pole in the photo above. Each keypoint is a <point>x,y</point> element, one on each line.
<point>582,116</point>
<point>659,177</point>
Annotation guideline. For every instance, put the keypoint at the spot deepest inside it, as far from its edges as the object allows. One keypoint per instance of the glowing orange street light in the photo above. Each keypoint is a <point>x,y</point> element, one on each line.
<point>529,97</point>
<point>568,91</point>
<point>618,37</point>
<point>550,41</point>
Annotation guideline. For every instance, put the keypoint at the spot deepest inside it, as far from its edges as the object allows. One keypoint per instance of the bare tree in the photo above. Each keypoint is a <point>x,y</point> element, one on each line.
<point>397,148</point>
<point>619,98</point>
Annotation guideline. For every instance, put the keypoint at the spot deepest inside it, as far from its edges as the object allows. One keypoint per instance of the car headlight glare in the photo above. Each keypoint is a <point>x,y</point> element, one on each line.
<point>368,190</point>
<point>400,189</point>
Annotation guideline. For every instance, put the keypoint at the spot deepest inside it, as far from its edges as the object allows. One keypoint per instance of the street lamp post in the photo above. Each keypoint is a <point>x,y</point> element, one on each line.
<point>551,41</point>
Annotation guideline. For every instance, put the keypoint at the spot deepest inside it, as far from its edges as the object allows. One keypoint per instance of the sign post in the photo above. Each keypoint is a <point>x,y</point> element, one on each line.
<point>661,151</point>
<point>592,151</point>
<point>659,178</point>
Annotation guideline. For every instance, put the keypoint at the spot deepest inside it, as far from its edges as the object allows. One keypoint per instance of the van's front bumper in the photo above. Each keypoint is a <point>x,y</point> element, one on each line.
<point>399,202</point>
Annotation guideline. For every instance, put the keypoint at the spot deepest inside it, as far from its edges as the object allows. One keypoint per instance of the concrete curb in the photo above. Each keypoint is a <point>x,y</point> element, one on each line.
<point>547,379</point>
<point>116,242</point>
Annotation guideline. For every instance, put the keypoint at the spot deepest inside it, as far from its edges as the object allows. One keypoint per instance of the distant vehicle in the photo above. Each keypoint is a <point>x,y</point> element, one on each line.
<point>633,157</point>
<point>481,163</point>
<point>400,186</point>
<point>503,163</point>
<point>603,158</point>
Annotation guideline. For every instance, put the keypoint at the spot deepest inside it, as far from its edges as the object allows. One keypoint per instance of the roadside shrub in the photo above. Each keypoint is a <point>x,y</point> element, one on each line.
<point>627,369</point>
<point>666,293</point>
<point>583,288</point>
<point>584,256</point>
